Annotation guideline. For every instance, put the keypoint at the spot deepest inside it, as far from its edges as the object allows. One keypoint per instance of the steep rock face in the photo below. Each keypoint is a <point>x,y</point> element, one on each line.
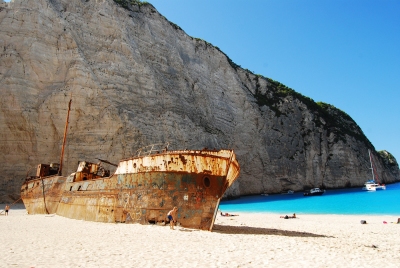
<point>136,79</point>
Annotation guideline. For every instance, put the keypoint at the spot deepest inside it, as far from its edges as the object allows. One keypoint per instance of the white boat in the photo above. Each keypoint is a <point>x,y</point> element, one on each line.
<point>314,191</point>
<point>373,185</point>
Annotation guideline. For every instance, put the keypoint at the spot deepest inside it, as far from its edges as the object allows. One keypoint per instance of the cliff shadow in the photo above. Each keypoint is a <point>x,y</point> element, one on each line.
<point>227,229</point>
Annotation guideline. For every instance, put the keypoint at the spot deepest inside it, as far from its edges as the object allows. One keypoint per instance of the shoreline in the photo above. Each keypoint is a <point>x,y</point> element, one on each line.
<point>335,202</point>
<point>247,240</point>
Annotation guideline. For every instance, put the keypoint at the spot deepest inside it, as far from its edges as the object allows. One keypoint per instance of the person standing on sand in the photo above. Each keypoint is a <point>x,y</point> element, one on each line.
<point>7,208</point>
<point>172,217</point>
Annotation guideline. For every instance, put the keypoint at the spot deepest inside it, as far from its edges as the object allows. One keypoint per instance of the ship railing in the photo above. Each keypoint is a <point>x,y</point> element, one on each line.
<point>152,149</point>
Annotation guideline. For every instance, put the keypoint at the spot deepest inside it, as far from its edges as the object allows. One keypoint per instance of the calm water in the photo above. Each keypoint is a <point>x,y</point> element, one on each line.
<point>347,201</point>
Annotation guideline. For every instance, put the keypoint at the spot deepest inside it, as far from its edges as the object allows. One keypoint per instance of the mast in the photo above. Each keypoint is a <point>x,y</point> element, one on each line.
<point>373,170</point>
<point>65,137</point>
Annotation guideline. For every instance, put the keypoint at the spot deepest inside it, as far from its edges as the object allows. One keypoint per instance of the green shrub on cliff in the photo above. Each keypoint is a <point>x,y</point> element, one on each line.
<point>335,120</point>
<point>388,158</point>
<point>126,3</point>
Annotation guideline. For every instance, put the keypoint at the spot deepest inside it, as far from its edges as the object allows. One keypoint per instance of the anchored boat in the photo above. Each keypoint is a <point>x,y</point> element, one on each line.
<point>314,191</point>
<point>373,185</point>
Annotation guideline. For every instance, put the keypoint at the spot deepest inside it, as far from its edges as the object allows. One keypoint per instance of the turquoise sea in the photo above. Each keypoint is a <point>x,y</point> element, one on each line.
<point>352,201</point>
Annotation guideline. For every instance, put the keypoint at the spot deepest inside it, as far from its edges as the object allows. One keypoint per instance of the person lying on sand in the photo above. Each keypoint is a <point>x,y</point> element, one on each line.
<point>289,217</point>
<point>227,214</point>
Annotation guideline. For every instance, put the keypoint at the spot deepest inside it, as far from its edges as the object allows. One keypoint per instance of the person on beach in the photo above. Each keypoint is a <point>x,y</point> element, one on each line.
<point>172,217</point>
<point>7,208</point>
<point>289,217</point>
<point>227,214</point>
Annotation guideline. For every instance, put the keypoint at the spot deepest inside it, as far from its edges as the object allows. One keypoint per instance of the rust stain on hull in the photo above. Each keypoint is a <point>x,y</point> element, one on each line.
<point>142,190</point>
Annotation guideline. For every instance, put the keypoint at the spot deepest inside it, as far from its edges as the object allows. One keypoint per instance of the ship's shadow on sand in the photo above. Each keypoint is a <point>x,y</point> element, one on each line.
<point>226,229</point>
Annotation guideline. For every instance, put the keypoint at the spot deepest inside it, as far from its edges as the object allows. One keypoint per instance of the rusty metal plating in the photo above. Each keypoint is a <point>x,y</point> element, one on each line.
<point>142,190</point>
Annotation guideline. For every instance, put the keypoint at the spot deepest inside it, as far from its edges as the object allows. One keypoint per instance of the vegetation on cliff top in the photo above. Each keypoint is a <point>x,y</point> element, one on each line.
<point>336,120</point>
<point>127,3</point>
<point>388,158</point>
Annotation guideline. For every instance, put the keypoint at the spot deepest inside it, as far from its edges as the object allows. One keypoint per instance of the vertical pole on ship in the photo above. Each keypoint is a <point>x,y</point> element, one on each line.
<point>65,137</point>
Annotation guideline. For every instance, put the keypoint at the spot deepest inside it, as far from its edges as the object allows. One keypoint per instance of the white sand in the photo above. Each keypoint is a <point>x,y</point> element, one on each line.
<point>248,240</point>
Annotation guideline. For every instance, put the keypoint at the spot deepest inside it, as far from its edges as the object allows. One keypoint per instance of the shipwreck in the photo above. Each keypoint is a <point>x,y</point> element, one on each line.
<point>142,189</point>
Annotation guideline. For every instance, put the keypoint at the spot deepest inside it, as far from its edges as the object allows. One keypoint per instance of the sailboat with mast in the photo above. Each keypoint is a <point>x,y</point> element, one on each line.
<point>374,184</point>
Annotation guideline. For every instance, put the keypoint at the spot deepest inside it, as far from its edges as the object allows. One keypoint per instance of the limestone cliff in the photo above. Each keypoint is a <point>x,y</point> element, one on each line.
<point>137,79</point>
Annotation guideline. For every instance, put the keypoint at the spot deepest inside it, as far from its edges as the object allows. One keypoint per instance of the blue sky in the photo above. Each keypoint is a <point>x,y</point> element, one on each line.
<point>342,52</point>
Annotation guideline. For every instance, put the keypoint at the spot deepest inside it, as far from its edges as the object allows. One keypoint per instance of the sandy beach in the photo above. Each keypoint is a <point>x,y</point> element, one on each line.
<point>247,240</point>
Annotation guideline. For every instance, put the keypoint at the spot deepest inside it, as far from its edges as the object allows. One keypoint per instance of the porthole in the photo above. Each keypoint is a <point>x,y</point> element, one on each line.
<point>206,182</point>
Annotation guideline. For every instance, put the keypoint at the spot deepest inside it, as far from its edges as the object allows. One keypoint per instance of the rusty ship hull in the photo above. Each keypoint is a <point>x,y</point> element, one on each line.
<point>42,195</point>
<point>144,188</point>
